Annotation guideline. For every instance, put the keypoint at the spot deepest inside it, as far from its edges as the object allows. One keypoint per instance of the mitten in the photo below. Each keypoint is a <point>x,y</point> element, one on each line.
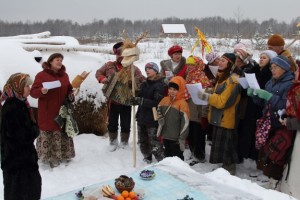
<point>136,101</point>
<point>250,92</point>
<point>181,145</point>
<point>263,94</point>
<point>203,96</point>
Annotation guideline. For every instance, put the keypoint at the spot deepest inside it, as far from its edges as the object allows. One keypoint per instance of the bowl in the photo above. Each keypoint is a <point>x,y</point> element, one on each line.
<point>147,174</point>
<point>124,183</point>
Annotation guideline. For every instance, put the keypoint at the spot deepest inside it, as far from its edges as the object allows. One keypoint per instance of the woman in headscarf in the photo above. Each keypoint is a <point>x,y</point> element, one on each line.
<point>21,177</point>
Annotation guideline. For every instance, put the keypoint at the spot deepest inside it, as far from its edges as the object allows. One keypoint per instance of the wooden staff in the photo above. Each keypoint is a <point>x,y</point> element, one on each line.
<point>133,116</point>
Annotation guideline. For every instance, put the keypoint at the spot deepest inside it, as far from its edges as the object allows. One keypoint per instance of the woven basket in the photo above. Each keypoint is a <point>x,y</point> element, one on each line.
<point>124,183</point>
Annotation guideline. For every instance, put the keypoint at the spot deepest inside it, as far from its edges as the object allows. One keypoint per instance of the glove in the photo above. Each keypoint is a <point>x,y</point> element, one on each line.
<point>136,101</point>
<point>263,94</point>
<point>181,145</point>
<point>203,95</point>
<point>250,92</point>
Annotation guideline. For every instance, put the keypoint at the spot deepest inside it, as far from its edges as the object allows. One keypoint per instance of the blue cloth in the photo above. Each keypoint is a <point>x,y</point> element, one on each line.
<point>163,187</point>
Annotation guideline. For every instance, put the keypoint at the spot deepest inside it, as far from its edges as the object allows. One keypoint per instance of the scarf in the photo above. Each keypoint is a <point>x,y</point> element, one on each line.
<point>14,88</point>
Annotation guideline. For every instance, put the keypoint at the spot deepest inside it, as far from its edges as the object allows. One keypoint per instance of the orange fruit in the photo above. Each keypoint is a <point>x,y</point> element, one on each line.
<point>125,193</point>
<point>128,198</point>
<point>132,194</point>
<point>120,197</point>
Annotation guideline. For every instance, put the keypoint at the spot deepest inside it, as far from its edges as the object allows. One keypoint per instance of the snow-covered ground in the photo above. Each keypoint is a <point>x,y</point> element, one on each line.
<point>93,162</point>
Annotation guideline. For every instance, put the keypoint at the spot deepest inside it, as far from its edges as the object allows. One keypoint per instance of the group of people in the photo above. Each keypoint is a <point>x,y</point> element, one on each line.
<point>167,118</point>
<point>230,117</point>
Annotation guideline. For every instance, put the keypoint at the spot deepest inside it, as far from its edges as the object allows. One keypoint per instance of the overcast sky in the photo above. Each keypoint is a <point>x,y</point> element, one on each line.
<point>84,11</point>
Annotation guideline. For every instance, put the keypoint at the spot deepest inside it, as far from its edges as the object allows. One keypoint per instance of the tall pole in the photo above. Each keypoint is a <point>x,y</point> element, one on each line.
<point>133,115</point>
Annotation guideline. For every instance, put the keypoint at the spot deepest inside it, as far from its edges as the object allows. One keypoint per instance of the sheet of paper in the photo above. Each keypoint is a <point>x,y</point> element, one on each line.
<point>52,84</point>
<point>243,82</point>
<point>252,81</point>
<point>194,89</point>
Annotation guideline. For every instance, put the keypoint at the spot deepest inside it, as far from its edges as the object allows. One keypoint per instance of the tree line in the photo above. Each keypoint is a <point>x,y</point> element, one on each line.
<point>100,30</point>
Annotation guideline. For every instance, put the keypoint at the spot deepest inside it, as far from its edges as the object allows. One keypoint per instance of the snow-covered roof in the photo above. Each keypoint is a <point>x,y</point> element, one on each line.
<point>174,28</point>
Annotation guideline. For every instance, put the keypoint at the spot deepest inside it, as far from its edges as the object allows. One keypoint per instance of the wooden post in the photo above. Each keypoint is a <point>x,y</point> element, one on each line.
<point>133,115</point>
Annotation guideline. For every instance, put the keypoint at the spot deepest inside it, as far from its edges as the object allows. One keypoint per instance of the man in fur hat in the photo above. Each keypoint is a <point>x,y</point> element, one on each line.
<point>119,100</point>
<point>276,43</point>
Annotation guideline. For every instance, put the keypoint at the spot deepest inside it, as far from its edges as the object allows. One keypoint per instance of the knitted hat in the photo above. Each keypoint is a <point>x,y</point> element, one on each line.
<point>282,62</point>
<point>242,52</point>
<point>117,48</point>
<point>192,60</point>
<point>276,40</point>
<point>153,66</point>
<point>53,56</point>
<point>173,85</point>
<point>271,54</point>
<point>211,57</point>
<point>173,49</point>
<point>230,57</point>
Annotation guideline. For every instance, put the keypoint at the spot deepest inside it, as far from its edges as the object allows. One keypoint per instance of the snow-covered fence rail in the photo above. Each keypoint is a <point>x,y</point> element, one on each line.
<point>68,48</point>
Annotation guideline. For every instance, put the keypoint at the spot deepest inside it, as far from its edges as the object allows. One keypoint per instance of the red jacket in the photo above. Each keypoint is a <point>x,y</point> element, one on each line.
<point>50,103</point>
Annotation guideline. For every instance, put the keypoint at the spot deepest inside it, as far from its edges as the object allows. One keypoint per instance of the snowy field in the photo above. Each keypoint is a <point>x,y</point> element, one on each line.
<point>93,162</point>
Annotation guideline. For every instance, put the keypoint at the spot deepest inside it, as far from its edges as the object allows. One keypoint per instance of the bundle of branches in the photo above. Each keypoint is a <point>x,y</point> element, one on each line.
<point>90,119</point>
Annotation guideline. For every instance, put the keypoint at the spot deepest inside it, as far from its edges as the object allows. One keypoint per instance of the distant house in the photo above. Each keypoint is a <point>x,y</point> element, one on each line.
<point>172,30</point>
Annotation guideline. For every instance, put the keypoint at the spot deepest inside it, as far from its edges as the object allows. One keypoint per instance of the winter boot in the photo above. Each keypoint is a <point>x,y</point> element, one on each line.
<point>113,141</point>
<point>148,159</point>
<point>231,168</point>
<point>124,140</point>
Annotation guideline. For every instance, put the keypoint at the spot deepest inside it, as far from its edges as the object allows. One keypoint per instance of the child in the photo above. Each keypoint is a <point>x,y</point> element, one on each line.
<point>176,112</point>
<point>21,177</point>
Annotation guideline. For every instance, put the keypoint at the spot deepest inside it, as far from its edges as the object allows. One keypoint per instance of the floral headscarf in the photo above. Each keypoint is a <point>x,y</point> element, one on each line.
<point>14,87</point>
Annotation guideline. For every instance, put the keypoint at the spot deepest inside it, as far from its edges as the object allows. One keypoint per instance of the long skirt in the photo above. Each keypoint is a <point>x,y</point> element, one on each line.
<point>54,146</point>
<point>224,146</point>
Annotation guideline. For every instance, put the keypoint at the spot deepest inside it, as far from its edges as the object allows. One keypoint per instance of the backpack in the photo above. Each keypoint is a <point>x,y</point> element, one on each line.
<point>278,148</point>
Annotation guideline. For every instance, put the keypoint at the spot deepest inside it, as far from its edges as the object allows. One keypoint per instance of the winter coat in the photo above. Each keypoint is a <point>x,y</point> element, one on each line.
<point>18,133</point>
<point>19,159</point>
<point>152,91</point>
<point>50,103</point>
<point>177,118</point>
<point>279,89</point>
<point>223,103</point>
<point>111,68</point>
<point>180,70</point>
<point>290,184</point>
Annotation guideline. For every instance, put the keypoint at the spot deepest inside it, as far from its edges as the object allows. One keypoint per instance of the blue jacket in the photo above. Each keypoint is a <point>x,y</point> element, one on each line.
<point>279,88</point>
